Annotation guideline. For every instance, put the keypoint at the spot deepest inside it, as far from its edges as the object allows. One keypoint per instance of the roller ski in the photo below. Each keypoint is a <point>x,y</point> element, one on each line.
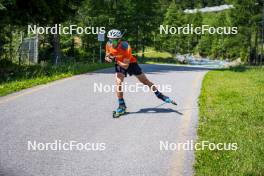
<point>121,110</point>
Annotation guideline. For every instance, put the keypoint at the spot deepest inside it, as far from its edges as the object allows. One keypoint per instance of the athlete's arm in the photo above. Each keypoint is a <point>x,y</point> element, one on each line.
<point>108,57</point>
<point>124,64</point>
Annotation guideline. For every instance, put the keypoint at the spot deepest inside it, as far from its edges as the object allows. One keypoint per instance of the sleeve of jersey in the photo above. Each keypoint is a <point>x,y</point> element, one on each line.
<point>128,50</point>
<point>107,48</point>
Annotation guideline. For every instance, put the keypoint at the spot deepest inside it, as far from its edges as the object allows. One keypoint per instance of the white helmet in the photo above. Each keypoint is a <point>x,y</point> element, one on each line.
<point>114,33</point>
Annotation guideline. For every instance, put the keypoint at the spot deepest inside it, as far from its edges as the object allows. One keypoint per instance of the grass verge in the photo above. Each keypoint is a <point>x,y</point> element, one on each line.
<point>153,56</point>
<point>15,78</point>
<point>232,111</point>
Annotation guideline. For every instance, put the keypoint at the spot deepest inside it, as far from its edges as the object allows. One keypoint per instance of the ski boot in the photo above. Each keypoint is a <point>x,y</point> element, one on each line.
<point>121,110</point>
<point>166,99</point>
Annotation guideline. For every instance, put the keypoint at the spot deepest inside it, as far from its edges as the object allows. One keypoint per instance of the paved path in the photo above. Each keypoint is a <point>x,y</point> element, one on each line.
<point>69,110</point>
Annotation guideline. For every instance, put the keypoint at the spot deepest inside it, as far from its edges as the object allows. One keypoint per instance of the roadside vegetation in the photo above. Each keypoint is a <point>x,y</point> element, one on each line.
<point>232,111</point>
<point>142,29</point>
<point>151,55</point>
<point>14,77</point>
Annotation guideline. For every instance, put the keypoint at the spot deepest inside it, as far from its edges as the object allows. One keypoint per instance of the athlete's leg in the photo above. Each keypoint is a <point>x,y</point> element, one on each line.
<point>144,80</point>
<point>119,80</point>
<point>119,92</point>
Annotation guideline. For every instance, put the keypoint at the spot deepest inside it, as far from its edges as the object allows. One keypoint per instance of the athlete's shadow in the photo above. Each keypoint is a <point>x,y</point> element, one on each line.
<point>156,110</point>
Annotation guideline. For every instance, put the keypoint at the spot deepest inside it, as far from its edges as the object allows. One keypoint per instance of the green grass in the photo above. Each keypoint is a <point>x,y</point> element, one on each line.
<point>152,53</point>
<point>232,111</point>
<point>153,56</point>
<point>15,78</point>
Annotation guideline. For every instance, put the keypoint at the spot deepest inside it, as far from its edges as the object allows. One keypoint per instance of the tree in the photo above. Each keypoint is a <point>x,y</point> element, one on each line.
<point>39,12</point>
<point>175,43</point>
<point>245,15</point>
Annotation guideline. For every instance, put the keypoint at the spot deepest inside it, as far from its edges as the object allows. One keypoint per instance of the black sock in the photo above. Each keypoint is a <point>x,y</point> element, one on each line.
<point>121,102</point>
<point>158,93</point>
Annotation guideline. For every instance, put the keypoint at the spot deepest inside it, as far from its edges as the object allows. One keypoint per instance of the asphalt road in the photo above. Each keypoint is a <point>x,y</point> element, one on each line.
<point>69,110</point>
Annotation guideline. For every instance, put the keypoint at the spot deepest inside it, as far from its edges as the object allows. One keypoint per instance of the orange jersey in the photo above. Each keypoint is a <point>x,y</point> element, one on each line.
<point>122,51</point>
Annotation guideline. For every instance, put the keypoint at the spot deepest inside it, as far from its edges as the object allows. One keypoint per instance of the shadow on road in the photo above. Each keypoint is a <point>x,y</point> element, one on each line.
<point>156,110</point>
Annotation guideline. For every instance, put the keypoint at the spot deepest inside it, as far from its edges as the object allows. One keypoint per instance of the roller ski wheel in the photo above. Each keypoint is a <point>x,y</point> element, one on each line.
<point>119,112</point>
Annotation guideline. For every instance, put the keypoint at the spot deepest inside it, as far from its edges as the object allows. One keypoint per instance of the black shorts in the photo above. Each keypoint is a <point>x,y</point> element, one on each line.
<point>133,69</point>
